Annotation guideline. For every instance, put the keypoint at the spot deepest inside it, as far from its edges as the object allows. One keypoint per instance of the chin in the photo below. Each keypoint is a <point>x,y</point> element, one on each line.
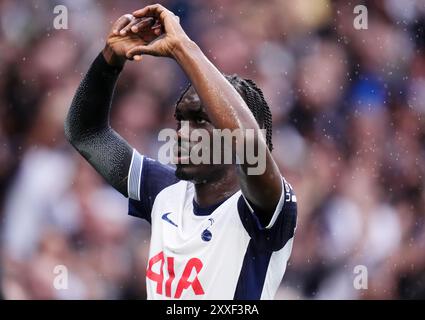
<point>194,173</point>
<point>184,172</point>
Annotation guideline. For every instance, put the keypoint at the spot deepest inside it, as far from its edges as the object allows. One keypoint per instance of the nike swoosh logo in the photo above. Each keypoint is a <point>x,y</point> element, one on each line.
<point>165,217</point>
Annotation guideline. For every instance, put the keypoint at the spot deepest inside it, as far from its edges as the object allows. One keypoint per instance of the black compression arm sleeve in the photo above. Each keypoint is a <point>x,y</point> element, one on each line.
<point>87,125</point>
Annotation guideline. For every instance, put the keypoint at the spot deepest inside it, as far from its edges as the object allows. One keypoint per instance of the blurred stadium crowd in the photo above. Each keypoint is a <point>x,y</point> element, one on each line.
<point>349,135</point>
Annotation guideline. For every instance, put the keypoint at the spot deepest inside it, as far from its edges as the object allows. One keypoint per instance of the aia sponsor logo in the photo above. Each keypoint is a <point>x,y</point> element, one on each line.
<point>164,286</point>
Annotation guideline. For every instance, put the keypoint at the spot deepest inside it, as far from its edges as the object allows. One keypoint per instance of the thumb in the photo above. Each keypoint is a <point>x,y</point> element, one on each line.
<point>142,49</point>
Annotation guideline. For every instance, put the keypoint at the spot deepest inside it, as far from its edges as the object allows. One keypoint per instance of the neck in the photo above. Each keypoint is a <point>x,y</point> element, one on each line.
<point>212,192</point>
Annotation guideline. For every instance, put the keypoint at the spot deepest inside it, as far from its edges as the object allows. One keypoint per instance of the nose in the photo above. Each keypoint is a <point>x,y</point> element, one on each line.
<point>183,131</point>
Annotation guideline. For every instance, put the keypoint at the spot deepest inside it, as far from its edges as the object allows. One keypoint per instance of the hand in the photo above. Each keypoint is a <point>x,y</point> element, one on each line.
<point>126,33</point>
<point>172,34</point>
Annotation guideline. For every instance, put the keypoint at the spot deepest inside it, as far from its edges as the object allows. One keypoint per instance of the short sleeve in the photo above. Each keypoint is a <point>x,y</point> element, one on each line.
<point>146,179</point>
<point>281,227</point>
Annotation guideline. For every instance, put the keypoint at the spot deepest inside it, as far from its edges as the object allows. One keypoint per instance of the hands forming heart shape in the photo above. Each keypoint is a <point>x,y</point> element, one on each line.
<point>153,30</point>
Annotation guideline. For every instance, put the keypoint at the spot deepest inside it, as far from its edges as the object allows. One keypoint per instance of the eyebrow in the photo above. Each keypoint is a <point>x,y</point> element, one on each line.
<point>199,112</point>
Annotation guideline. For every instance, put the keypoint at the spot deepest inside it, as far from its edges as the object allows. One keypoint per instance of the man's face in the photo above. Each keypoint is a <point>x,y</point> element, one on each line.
<point>190,109</point>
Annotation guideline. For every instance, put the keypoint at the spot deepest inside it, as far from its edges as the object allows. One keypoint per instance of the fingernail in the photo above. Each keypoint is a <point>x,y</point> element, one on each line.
<point>134,29</point>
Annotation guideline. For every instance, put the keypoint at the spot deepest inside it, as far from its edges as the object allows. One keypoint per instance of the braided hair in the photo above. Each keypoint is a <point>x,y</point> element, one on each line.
<point>254,98</point>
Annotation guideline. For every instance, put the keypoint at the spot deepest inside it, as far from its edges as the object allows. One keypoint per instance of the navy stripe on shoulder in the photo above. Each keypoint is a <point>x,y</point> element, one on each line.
<point>155,177</point>
<point>274,238</point>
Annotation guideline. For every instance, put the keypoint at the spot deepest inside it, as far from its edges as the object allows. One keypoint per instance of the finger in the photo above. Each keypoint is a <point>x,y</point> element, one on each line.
<point>121,23</point>
<point>157,29</point>
<point>128,27</point>
<point>145,22</point>
<point>140,50</point>
<point>161,13</point>
<point>154,10</point>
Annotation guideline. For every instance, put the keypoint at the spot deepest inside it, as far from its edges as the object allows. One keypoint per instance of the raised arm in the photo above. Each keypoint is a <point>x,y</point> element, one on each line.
<point>87,124</point>
<point>225,107</point>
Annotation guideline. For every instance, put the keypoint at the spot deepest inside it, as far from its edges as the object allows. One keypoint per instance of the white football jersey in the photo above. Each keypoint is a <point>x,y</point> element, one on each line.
<point>221,252</point>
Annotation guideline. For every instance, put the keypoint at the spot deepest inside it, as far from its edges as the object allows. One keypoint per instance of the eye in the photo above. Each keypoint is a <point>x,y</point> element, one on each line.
<point>200,121</point>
